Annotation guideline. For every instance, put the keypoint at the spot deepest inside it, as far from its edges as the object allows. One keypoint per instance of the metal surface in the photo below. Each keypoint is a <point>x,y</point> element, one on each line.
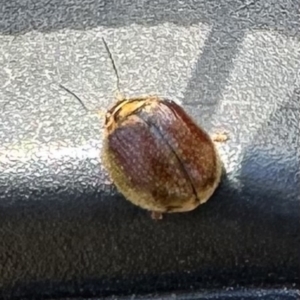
<point>233,65</point>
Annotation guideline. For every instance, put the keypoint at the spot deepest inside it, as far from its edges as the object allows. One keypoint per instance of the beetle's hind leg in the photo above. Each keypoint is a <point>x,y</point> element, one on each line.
<point>155,215</point>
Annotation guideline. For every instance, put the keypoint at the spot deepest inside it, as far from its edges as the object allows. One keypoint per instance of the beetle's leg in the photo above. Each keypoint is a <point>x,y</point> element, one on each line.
<point>220,137</point>
<point>155,215</point>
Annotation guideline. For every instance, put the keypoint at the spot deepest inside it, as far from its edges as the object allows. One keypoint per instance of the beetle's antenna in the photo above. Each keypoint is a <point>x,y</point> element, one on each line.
<point>74,95</point>
<point>113,64</point>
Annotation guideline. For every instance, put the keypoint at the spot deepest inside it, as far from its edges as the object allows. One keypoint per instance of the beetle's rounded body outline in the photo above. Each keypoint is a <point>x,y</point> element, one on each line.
<point>157,155</point>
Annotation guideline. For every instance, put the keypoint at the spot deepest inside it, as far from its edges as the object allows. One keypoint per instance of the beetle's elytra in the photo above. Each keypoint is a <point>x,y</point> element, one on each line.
<point>158,157</point>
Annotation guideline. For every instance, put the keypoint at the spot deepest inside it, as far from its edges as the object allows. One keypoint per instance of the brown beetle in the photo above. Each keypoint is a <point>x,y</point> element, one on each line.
<point>157,156</point>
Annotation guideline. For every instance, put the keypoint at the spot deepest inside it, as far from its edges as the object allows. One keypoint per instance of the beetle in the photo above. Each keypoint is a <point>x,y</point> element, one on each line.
<point>157,156</point>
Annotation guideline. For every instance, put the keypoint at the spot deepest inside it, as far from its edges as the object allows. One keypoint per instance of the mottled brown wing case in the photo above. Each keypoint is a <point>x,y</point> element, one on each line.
<point>192,145</point>
<point>144,167</point>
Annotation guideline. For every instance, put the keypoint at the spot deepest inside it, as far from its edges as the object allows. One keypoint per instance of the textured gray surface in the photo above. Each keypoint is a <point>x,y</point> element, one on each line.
<point>232,294</point>
<point>233,65</point>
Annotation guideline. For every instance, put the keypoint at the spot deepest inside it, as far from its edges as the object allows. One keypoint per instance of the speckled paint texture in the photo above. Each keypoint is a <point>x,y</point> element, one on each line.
<point>233,66</point>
